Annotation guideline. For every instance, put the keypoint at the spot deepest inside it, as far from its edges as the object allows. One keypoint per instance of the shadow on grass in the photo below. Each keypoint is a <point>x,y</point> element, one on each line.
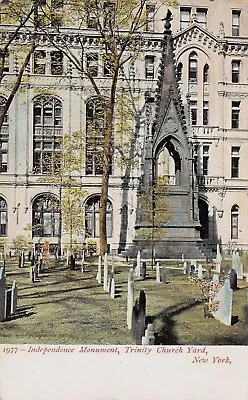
<point>21,313</point>
<point>54,292</point>
<point>167,334</point>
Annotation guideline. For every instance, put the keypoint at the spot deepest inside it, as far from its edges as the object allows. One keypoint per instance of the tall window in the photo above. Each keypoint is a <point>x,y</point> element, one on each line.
<point>206,73</point>
<point>205,160</point>
<point>179,71</point>
<point>4,139</point>
<point>50,63</point>
<point>193,67</point>
<point>235,71</point>
<point>150,12</point>
<point>92,63</point>
<point>184,17</point>
<point>3,217</point>
<point>149,67</point>
<point>235,162</point>
<point>205,116</point>
<point>47,135</point>
<point>201,16</point>
<point>95,132</point>
<point>46,216</point>
<point>193,112</point>
<point>235,22</point>
<point>235,222</point>
<point>92,217</point>
<point>235,114</point>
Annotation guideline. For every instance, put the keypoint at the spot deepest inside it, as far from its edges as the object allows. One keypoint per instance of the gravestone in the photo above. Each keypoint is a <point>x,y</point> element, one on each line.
<point>183,258</point>
<point>215,278</point>
<point>149,338</point>
<point>236,264</point>
<point>164,276</point>
<point>143,270</point>
<point>22,259</point>
<point>99,272</point>
<point>72,262</point>
<point>138,266</point>
<point>2,293</point>
<point>7,311</point>
<point>199,271</point>
<point>13,298</point>
<point>224,298</point>
<point>158,278</point>
<point>138,320</point>
<point>218,259</point>
<point>130,297</point>
<point>105,273</point>
<point>112,288</point>
<point>32,273</point>
<point>111,276</point>
<point>233,279</point>
<point>19,261</point>
<point>185,267</point>
<point>192,269</point>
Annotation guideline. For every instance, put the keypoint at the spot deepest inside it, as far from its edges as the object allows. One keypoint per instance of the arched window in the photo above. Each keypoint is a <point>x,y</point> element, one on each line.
<point>92,217</point>
<point>46,216</point>
<point>4,138</point>
<point>3,217</point>
<point>235,222</point>
<point>47,122</point>
<point>179,71</point>
<point>206,73</point>
<point>95,132</point>
<point>193,67</point>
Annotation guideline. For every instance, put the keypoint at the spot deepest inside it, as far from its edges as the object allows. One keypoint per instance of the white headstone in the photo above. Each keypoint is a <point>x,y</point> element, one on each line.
<point>130,298</point>
<point>138,264</point>
<point>236,264</point>
<point>199,271</point>
<point>13,298</point>
<point>99,272</point>
<point>185,267</point>
<point>112,290</point>
<point>105,273</point>
<point>158,277</point>
<point>224,298</point>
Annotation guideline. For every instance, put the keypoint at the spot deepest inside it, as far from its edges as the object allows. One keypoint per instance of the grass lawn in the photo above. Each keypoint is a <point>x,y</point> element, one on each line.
<point>70,307</point>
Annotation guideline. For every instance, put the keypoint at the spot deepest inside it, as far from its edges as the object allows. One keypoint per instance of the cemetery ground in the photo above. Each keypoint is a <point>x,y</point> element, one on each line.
<point>70,307</point>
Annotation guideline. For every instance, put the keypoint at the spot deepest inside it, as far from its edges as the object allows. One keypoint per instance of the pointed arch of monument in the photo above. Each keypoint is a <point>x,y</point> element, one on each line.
<point>168,160</point>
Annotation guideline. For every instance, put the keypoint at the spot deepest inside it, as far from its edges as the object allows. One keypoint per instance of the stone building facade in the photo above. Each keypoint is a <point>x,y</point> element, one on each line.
<point>211,60</point>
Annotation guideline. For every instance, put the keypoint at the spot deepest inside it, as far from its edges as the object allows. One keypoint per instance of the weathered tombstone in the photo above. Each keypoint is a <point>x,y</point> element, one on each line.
<point>22,260</point>
<point>185,267</point>
<point>4,266</point>
<point>158,278</point>
<point>7,311</point>
<point>164,276</point>
<point>19,261</point>
<point>138,264</point>
<point>192,269</point>
<point>2,293</point>
<point>148,338</point>
<point>215,277</point>
<point>141,317</point>
<point>183,258</point>
<point>99,272</point>
<point>233,279</point>
<point>130,297</point>
<point>72,262</point>
<point>105,273</point>
<point>13,298</point>
<point>143,270</point>
<point>111,276</point>
<point>112,288</point>
<point>32,258</point>
<point>32,273</point>
<point>218,260</point>
<point>199,271</point>
<point>224,299</point>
